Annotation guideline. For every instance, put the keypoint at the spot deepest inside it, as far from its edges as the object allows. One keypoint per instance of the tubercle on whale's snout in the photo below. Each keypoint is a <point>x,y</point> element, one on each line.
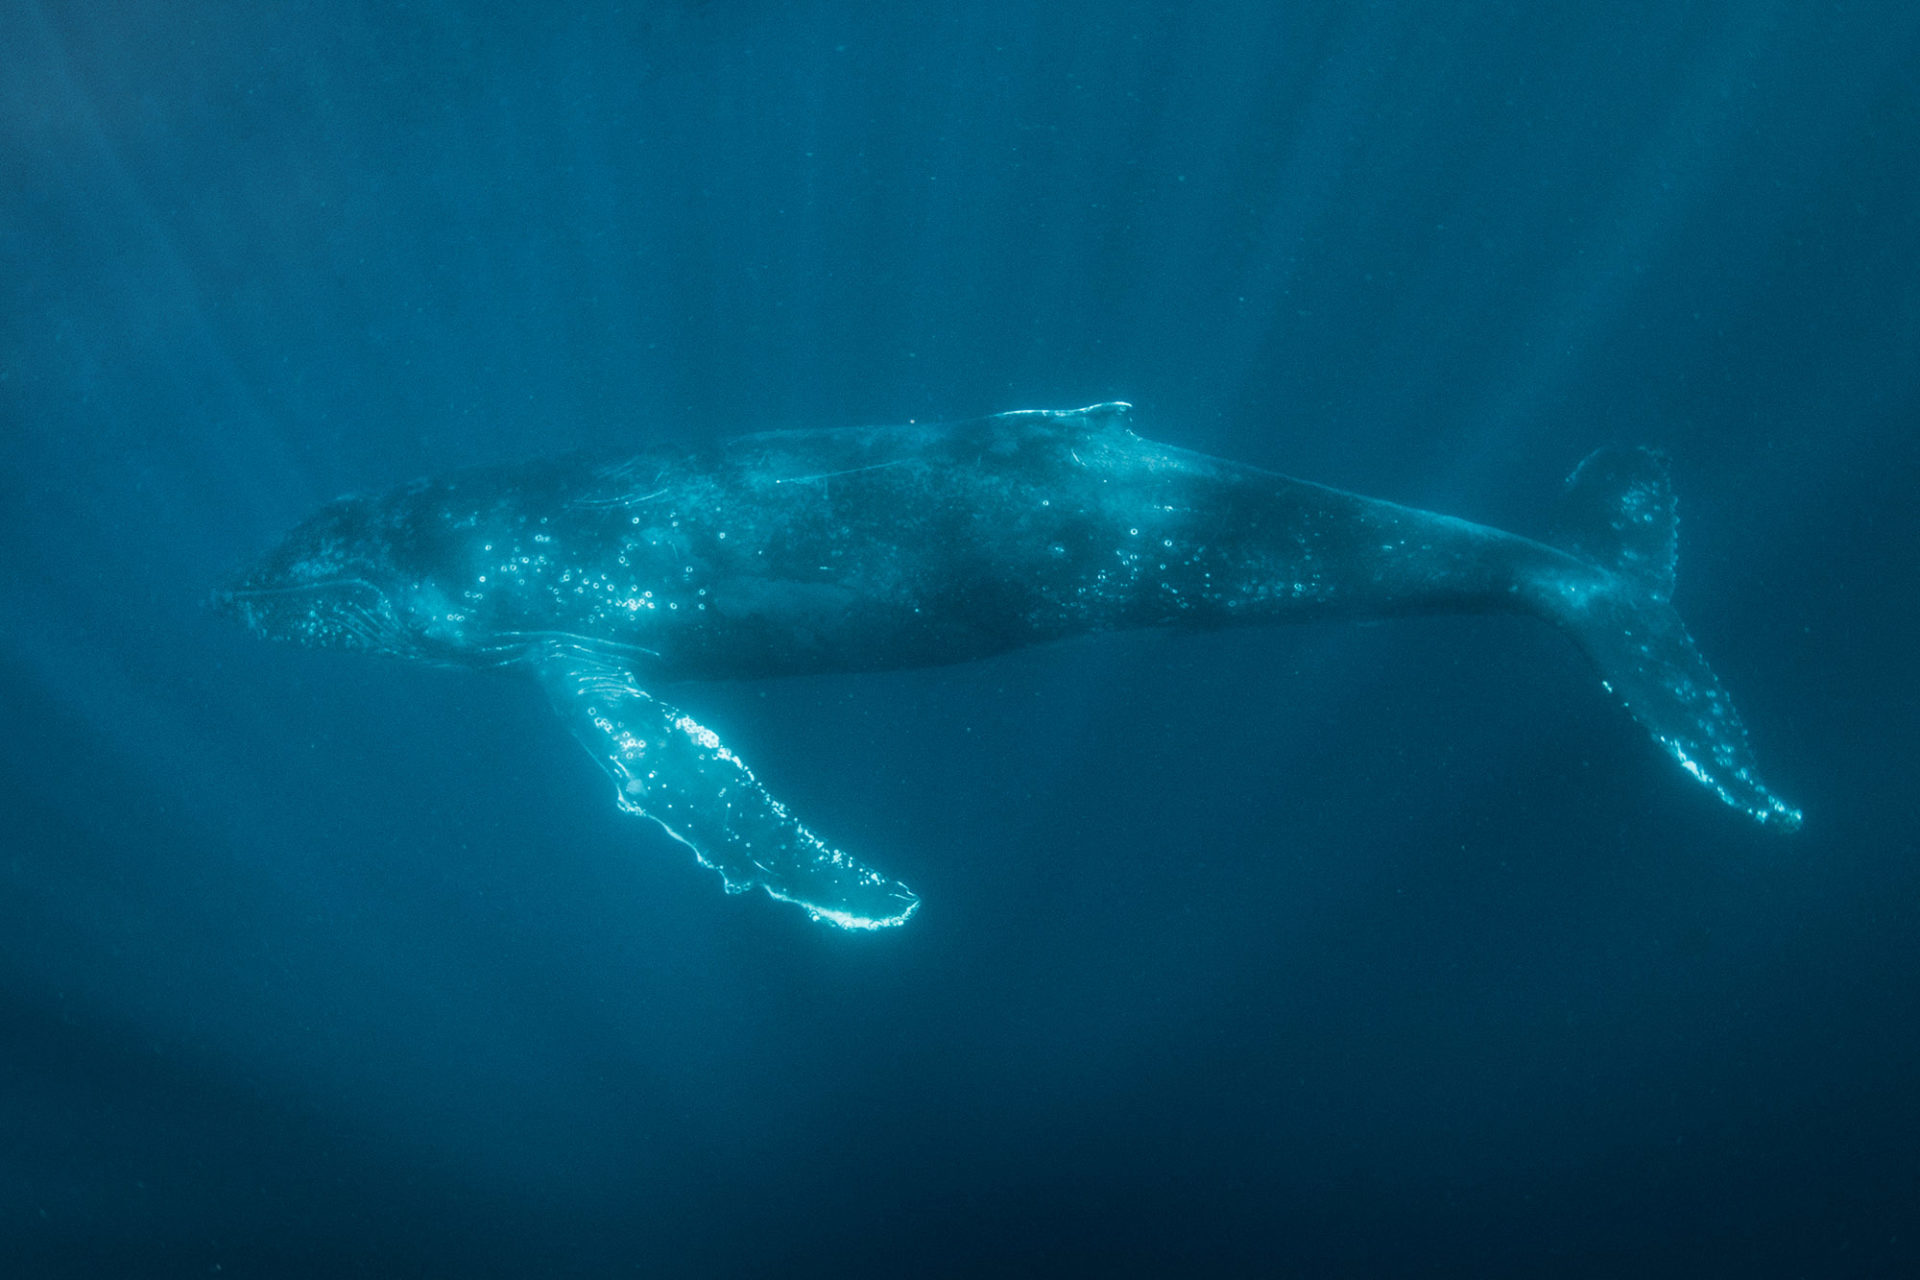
<point>232,604</point>
<point>233,592</point>
<point>233,607</point>
<point>225,601</point>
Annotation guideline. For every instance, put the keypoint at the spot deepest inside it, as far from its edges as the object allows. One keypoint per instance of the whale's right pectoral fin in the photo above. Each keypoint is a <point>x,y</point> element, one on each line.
<point>668,767</point>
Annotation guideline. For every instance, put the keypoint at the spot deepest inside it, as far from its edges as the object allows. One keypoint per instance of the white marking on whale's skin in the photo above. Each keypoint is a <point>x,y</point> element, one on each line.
<point>868,548</point>
<point>829,475</point>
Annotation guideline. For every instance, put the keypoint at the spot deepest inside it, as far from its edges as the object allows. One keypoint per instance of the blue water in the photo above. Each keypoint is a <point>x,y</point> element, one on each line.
<point>1335,950</point>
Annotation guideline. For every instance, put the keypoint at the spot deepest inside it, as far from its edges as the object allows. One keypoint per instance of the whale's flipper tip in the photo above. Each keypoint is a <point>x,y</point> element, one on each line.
<point>1618,516</point>
<point>896,910</point>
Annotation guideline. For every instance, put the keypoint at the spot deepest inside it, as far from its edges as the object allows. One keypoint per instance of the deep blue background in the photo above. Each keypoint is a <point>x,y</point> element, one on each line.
<point>1335,950</point>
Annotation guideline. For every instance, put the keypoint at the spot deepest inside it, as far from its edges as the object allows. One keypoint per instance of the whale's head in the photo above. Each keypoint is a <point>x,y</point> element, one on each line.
<point>332,583</point>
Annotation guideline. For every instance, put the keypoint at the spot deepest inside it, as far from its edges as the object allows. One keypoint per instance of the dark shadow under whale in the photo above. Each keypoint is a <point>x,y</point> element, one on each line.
<point>873,548</point>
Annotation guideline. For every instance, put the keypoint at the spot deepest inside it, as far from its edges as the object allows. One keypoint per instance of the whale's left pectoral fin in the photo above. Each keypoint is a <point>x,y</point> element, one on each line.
<point>668,767</point>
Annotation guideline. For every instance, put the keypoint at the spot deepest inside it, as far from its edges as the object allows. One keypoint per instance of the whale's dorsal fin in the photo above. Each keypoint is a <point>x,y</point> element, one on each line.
<point>1055,436</point>
<point>668,767</point>
<point>1094,419</point>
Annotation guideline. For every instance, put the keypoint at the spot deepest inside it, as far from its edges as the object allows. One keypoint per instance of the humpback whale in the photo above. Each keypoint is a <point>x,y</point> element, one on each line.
<point>871,548</point>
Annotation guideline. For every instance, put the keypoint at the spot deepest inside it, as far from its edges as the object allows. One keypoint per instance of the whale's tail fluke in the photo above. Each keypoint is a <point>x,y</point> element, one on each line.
<point>1617,515</point>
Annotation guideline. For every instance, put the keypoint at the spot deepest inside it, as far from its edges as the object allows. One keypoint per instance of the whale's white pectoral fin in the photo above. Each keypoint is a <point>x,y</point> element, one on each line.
<point>668,767</point>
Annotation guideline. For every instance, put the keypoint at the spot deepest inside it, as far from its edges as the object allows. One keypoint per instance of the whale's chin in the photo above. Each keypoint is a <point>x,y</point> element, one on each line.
<point>342,613</point>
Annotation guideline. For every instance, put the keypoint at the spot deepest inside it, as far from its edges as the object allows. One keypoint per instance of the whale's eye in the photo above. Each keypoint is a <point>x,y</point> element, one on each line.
<point>433,614</point>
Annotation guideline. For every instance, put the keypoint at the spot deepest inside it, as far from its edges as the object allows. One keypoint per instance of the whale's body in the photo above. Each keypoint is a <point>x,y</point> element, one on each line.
<point>874,548</point>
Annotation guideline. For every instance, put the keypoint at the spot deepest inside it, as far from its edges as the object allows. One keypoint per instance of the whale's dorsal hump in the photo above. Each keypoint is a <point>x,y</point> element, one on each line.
<point>1071,432</point>
<point>1095,419</point>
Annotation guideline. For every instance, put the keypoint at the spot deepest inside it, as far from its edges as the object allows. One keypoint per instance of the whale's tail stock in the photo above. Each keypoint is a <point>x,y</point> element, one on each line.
<point>1617,516</point>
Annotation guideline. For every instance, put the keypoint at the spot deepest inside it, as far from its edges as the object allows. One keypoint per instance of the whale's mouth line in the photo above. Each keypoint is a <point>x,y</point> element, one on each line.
<point>520,644</point>
<point>240,594</point>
